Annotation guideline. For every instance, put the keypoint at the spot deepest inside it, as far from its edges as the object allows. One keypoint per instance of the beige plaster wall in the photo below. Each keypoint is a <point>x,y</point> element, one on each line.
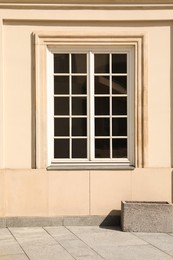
<point>27,192</point>
<point>18,99</point>
<point>65,193</point>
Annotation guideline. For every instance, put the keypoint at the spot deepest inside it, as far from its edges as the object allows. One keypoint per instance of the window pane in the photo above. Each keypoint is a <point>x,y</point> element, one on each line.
<point>119,85</point>
<point>79,148</point>
<point>61,63</point>
<point>79,106</point>
<point>61,106</point>
<point>79,85</point>
<point>101,63</point>
<point>61,148</point>
<point>101,85</point>
<point>79,63</point>
<point>61,85</point>
<point>101,105</point>
<point>102,127</point>
<point>102,148</point>
<point>119,106</point>
<point>61,127</point>
<point>119,126</point>
<point>119,147</point>
<point>79,126</point>
<point>119,63</point>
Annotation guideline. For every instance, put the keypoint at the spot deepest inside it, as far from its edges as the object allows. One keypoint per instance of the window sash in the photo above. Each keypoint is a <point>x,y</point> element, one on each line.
<point>90,107</point>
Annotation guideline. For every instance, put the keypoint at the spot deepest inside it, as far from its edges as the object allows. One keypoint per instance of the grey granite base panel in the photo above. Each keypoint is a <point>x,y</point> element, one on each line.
<point>60,221</point>
<point>147,217</point>
<point>2,222</point>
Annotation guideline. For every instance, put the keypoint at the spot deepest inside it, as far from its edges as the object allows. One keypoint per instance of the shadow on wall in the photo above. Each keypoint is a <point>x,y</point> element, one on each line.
<point>172,186</point>
<point>113,219</point>
<point>171,96</point>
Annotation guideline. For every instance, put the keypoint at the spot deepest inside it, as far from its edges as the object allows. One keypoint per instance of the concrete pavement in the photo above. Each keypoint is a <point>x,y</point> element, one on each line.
<point>83,243</point>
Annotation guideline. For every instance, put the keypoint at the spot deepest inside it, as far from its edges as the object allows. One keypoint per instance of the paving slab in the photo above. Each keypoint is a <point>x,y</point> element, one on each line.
<point>77,248</point>
<point>83,243</point>
<point>105,237</point>
<point>138,252</point>
<point>38,244</point>
<point>32,236</point>
<point>14,257</point>
<point>5,234</point>
<point>8,245</point>
<point>162,241</point>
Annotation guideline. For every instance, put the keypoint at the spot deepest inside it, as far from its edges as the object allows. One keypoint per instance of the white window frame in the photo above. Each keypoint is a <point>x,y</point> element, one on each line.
<point>91,161</point>
<point>42,41</point>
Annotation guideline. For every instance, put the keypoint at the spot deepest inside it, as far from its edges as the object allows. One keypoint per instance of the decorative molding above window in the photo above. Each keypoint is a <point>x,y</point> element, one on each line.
<point>89,100</point>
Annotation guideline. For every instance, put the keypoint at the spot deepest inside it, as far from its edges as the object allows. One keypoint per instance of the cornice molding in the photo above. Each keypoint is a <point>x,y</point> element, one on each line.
<point>86,4</point>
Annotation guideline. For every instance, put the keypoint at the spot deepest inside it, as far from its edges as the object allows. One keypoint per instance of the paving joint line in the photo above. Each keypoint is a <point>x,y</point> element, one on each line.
<point>169,234</point>
<point>58,243</point>
<point>84,242</point>
<point>18,243</point>
<point>152,244</point>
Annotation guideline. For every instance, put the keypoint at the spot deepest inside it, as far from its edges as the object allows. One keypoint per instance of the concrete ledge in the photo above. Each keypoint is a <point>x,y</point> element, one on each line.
<point>145,216</point>
<point>110,220</point>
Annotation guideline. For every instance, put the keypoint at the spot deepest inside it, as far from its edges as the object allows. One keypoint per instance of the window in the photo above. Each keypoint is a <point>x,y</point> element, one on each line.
<point>90,106</point>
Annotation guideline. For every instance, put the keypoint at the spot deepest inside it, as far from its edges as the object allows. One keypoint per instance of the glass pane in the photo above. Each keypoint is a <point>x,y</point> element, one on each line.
<point>101,105</point>
<point>119,147</point>
<point>79,106</point>
<point>102,148</point>
<point>102,127</point>
<point>79,148</point>
<point>61,85</point>
<point>101,63</point>
<point>119,63</point>
<point>61,63</point>
<point>119,126</point>
<point>61,127</point>
<point>61,106</point>
<point>79,85</point>
<point>79,63</point>
<point>61,148</point>
<point>79,126</point>
<point>101,85</point>
<point>119,85</point>
<point>119,106</point>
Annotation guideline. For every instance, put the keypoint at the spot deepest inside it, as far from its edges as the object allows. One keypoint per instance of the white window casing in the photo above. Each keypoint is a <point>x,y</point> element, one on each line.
<point>46,47</point>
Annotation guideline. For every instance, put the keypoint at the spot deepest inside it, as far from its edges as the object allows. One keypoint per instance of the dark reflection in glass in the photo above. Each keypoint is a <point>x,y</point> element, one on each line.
<point>61,106</point>
<point>102,148</point>
<point>101,85</point>
<point>119,63</point>
<point>61,148</point>
<point>101,105</point>
<point>119,84</point>
<point>61,85</point>
<point>101,63</point>
<point>119,106</point>
<point>79,106</point>
<point>61,126</point>
<point>79,85</point>
<point>61,63</point>
<point>119,147</point>
<point>79,126</point>
<point>119,126</point>
<point>79,148</point>
<point>102,127</point>
<point>79,64</point>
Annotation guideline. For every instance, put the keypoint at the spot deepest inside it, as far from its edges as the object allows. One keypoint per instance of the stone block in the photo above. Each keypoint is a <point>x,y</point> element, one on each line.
<point>146,216</point>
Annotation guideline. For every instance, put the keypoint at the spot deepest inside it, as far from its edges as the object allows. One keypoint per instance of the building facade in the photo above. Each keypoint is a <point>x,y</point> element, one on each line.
<point>86,113</point>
